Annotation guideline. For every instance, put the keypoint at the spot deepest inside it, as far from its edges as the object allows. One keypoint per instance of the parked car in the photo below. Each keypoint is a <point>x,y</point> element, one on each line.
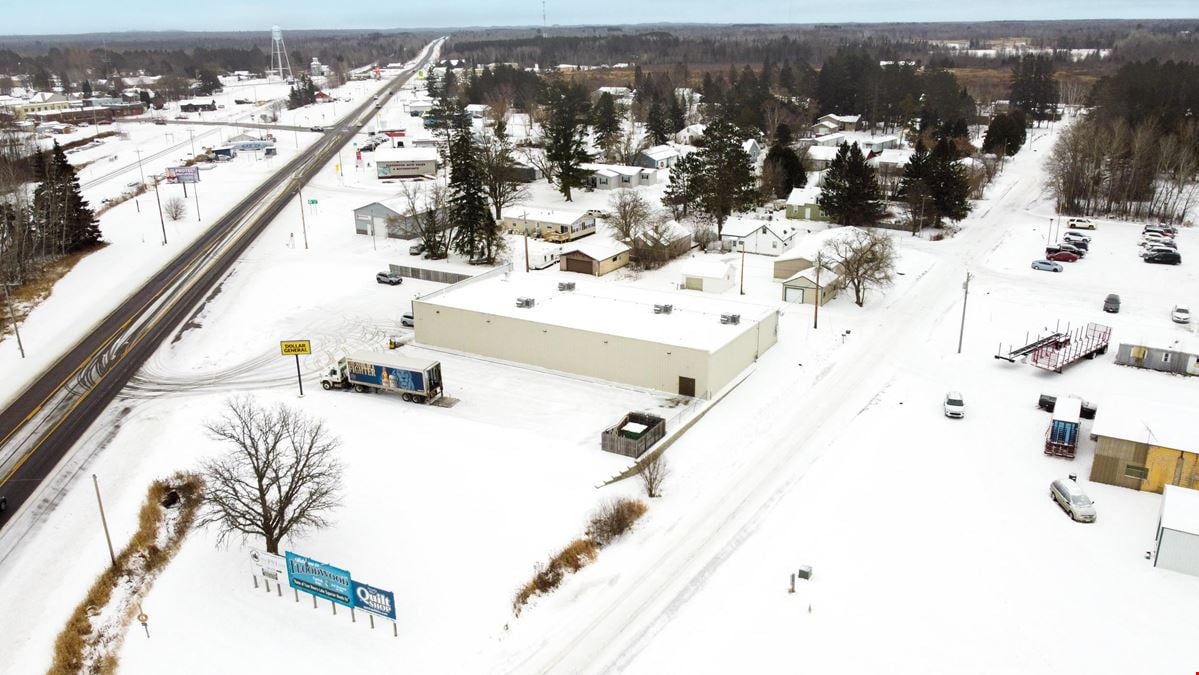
<point>1046,266</point>
<point>417,248</point>
<point>389,278</point>
<point>408,320</point>
<point>1073,500</point>
<point>1181,314</point>
<point>1154,238</point>
<point>1080,224</point>
<point>160,121</point>
<point>318,129</point>
<point>1062,256</point>
<point>1150,250</point>
<point>1072,237</point>
<point>954,406</point>
<point>1164,258</point>
<point>1159,243</point>
<point>1055,248</point>
<point>1084,244</point>
<point>1111,303</point>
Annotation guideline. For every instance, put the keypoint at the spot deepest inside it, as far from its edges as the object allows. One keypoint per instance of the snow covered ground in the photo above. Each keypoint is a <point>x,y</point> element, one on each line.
<point>934,544</point>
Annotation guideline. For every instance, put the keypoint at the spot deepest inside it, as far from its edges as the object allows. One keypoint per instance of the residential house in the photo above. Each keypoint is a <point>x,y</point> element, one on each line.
<point>658,157</point>
<point>876,144</point>
<point>819,157</point>
<point>478,110</point>
<point>752,148</point>
<point>665,243</point>
<point>802,255</point>
<point>322,97</point>
<point>614,176</point>
<point>840,122</point>
<point>802,205</point>
<point>764,237</point>
<point>690,134</point>
<point>392,218</point>
<point>824,127</point>
<point>195,105</point>
<point>889,166</point>
<point>708,274</point>
<point>550,224</point>
<point>596,256</point>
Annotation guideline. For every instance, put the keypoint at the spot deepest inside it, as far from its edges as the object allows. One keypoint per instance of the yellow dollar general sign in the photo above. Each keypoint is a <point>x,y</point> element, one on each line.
<point>295,347</point>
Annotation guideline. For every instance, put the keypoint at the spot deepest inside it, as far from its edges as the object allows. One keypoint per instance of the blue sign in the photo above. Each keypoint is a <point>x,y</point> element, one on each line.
<point>317,578</point>
<point>375,600</point>
<point>386,376</point>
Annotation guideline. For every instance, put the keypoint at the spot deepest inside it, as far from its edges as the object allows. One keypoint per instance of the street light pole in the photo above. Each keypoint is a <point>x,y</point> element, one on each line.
<point>303,222</point>
<point>160,220</point>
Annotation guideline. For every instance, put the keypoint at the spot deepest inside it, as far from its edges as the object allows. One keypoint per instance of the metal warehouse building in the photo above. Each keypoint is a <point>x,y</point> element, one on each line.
<point>685,343</point>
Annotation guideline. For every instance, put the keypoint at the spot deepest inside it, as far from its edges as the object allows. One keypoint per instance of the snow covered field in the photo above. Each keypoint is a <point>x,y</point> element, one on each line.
<point>934,544</point>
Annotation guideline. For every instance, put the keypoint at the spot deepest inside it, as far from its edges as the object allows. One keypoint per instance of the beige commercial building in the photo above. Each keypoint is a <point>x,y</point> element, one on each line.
<point>691,344</point>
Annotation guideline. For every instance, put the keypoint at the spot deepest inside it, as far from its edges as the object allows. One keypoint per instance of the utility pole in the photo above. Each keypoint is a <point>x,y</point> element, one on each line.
<point>160,220</point>
<point>816,306</point>
<point>12,316</point>
<point>303,221</point>
<point>103,521</point>
<point>526,251</point>
<point>965,297</point>
<point>742,268</point>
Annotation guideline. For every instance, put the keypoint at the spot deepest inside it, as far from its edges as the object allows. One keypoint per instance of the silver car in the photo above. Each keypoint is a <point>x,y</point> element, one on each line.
<point>1073,500</point>
<point>1046,266</point>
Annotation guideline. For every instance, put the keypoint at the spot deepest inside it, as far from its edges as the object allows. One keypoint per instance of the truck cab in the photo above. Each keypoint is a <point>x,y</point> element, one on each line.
<point>337,378</point>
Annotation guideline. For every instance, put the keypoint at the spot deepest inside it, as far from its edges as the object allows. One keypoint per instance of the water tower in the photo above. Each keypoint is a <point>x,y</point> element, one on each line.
<point>280,63</point>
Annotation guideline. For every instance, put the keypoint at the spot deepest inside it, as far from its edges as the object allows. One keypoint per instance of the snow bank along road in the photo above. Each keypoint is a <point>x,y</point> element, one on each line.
<point>45,421</point>
<point>607,634</point>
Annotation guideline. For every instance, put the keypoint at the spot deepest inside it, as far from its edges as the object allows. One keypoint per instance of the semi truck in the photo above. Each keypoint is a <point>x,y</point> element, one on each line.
<point>413,379</point>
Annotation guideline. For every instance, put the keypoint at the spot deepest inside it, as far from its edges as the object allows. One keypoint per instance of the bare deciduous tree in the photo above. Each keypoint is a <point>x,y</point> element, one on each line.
<point>627,213</point>
<point>653,473</point>
<point>864,260</point>
<point>428,205</point>
<point>280,475</point>
<point>174,208</point>
<point>536,158</point>
<point>499,175</point>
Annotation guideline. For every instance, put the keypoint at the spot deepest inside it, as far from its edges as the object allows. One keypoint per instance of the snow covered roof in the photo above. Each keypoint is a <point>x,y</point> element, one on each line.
<point>1159,424</point>
<point>556,216</point>
<point>597,248</point>
<point>478,107</point>
<point>743,227</point>
<point>827,277</point>
<point>405,155</point>
<point>1067,409</point>
<point>894,156</point>
<point>751,143</point>
<point>831,139</point>
<point>706,267</point>
<point>822,153</point>
<point>614,169</point>
<point>810,245</point>
<point>803,195</point>
<point>1180,509</point>
<point>842,119</point>
<point>608,308</point>
<point>660,152</point>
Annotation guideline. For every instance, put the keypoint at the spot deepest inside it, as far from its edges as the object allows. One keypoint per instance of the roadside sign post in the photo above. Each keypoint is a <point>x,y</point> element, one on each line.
<point>296,348</point>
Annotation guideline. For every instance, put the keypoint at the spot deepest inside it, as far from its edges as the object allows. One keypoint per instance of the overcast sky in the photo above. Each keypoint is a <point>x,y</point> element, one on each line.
<point>86,16</point>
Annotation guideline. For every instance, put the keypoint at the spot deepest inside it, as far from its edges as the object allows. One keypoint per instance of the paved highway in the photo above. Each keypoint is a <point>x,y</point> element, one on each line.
<point>45,421</point>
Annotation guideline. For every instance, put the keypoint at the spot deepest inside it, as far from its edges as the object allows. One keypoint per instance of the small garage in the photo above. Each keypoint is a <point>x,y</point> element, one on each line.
<point>710,275</point>
<point>596,257</point>
<point>803,288</point>
<point>1178,531</point>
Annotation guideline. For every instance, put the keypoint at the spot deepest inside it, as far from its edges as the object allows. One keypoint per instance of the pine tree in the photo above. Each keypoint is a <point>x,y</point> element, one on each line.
<point>851,195</point>
<point>656,125</point>
<point>948,181</point>
<point>66,224</point>
<point>786,163</point>
<point>86,89</point>
<point>724,180</point>
<point>565,135</point>
<point>476,231</point>
<point>678,117</point>
<point>605,121</point>
<point>682,191</point>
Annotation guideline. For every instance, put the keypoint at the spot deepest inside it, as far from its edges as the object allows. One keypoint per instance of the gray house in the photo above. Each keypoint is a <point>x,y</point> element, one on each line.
<point>387,218</point>
<point>1178,358</point>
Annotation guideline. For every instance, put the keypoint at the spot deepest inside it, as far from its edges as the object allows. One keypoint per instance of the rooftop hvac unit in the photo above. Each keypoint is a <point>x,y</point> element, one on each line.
<point>730,318</point>
<point>524,302</point>
<point>663,309</point>
<point>566,285</point>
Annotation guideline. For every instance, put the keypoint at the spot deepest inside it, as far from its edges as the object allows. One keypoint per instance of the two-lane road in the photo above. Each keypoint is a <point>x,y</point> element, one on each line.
<point>45,421</point>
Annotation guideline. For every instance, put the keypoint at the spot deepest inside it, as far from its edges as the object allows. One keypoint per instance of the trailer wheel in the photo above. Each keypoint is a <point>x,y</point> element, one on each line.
<point>326,385</point>
<point>359,388</point>
<point>406,396</point>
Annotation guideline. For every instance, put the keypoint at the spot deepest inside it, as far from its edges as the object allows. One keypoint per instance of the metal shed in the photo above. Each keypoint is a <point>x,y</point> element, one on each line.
<point>1177,546</point>
<point>1169,359</point>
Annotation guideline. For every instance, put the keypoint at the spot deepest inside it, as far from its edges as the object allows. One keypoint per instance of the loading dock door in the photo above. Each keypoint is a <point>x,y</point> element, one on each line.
<point>687,386</point>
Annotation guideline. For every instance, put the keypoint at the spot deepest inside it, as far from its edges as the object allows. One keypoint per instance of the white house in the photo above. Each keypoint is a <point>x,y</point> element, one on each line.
<point>658,157</point>
<point>708,274</point>
<point>615,176</point>
<point>823,128</point>
<point>764,237</point>
<point>690,134</point>
<point>878,143</point>
<point>554,225</point>
<point>802,204</point>
<point>752,148</point>
<point>819,157</point>
<point>1178,531</point>
<point>477,110</point>
<point>837,122</point>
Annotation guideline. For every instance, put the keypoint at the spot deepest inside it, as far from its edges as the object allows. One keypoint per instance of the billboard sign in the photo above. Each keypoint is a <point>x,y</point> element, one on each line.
<point>319,579</point>
<point>268,565</point>
<point>183,174</point>
<point>295,347</point>
<point>375,600</point>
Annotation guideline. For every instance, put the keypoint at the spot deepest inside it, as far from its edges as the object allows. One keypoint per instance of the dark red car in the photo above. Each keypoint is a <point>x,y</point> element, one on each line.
<point>1062,256</point>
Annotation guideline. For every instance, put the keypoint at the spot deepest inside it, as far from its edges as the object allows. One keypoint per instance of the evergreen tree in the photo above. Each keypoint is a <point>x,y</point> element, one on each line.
<point>65,222</point>
<point>656,125</point>
<point>851,195</point>
<point>605,122</point>
<point>86,88</point>
<point>1006,133</point>
<point>476,232</point>
<point>786,163</point>
<point>948,182</point>
<point>565,134</point>
<point>678,116</point>
<point>1033,88</point>
<point>716,180</point>
<point>681,192</point>
<point>209,82</point>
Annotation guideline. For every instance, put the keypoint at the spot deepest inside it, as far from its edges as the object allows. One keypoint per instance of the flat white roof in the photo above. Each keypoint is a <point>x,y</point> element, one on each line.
<point>622,169</point>
<point>1067,409</point>
<point>405,155</point>
<point>608,308</point>
<point>1180,509</point>
<point>556,216</point>
<point>707,267</point>
<point>660,152</point>
<point>1159,424</point>
<point>893,156</point>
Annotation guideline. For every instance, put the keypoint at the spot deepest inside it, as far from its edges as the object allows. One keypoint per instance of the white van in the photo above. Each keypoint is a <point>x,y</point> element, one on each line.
<point>1073,500</point>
